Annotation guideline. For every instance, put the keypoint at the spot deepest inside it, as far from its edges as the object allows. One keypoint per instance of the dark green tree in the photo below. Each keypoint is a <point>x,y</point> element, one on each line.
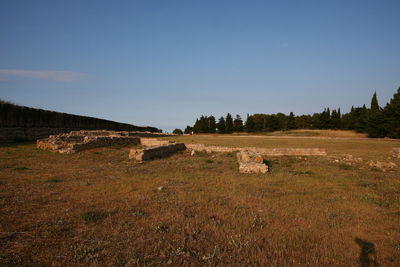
<point>376,121</point>
<point>238,124</point>
<point>221,125</point>
<point>249,124</point>
<point>335,119</point>
<point>188,130</point>
<point>374,103</point>
<point>177,131</point>
<point>212,126</point>
<point>229,123</point>
<point>291,122</point>
<point>392,115</point>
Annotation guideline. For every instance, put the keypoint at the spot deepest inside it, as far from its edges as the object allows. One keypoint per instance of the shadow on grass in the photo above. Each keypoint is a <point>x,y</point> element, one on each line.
<point>18,143</point>
<point>367,253</point>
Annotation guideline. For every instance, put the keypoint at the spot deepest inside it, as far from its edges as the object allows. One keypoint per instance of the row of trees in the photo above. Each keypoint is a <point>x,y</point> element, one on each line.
<point>375,121</point>
<point>12,115</point>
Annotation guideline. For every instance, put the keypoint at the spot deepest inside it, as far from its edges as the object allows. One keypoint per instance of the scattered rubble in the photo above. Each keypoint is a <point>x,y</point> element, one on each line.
<point>348,159</point>
<point>142,154</point>
<point>383,166</point>
<point>77,141</point>
<point>251,162</point>
<point>395,152</point>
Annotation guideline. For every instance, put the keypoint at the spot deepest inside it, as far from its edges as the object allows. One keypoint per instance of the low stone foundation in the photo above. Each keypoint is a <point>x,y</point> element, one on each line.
<point>77,141</point>
<point>251,162</point>
<point>270,152</point>
<point>156,151</point>
<point>152,142</point>
<point>395,153</point>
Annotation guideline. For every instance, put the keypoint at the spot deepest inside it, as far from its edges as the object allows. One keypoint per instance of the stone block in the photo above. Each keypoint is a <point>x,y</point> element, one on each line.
<point>251,162</point>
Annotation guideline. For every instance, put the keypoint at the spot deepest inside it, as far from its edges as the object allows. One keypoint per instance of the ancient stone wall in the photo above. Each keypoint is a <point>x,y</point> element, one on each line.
<point>271,152</point>
<point>155,152</point>
<point>76,141</point>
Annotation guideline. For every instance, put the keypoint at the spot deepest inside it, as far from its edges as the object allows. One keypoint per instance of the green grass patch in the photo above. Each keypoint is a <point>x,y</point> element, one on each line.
<point>301,172</point>
<point>345,167</point>
<point>208,161</point>
<point>139,213</point>
<point>94,215</point>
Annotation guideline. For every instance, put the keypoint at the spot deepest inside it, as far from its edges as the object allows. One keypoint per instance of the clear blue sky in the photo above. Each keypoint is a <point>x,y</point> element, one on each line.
<point>164,63</point>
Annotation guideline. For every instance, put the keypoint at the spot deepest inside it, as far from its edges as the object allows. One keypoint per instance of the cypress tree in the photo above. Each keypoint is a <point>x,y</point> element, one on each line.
<point>228,123</point>
<point>374,103</point>
<point>375,123</point>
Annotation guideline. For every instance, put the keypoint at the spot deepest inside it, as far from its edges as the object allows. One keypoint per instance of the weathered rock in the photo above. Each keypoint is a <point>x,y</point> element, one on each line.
<point>251,162</point>
<point>155,152</point>
<point>395,152</point>
<point>252,168</point>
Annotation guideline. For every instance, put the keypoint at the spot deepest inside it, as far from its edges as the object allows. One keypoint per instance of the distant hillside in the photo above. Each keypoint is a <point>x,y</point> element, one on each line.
<point>12,115</point>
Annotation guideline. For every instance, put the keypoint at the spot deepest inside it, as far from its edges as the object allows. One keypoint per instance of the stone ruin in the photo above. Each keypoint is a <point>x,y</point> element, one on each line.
<point>250,159</point>
<point>251,162</point>
<point>77,141</point>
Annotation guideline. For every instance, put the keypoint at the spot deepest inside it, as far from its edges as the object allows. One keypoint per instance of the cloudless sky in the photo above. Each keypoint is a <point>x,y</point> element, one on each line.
<point>164,63</point>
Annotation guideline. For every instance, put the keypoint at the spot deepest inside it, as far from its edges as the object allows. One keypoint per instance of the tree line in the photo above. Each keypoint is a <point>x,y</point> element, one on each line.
<point>12,115</point>
<point>374,120</point>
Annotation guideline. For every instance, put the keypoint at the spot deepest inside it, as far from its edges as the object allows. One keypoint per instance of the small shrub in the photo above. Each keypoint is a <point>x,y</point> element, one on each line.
<point>139,213</point>
<point>209,161</point>
<point>345,167</point>
<point>93,216</point>
<point>20,168</point>
<point>269,164</point>
<point>53,180</point>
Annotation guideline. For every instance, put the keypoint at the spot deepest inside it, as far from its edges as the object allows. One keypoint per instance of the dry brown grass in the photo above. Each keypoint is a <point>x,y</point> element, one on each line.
<point>310,133</point>
<point>322,133</point>
<point>97,208</point>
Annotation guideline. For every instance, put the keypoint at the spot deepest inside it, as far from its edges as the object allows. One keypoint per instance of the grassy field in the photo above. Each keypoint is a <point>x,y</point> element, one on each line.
<point>97,208</point>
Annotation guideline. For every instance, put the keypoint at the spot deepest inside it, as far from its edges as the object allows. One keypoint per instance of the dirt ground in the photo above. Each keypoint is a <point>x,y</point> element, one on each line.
<point>98,208</point>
